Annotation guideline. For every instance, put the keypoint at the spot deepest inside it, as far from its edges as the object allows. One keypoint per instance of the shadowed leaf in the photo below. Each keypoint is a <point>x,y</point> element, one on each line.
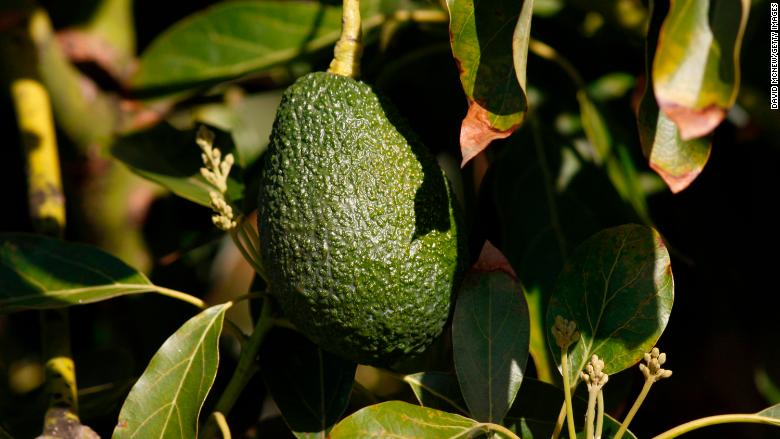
<point>618,288</point>
<point>171,158</point>
<point>38,272</point>
<point>696,66</point>
<point>310,386</point>
<point>166,400</point>
<point>490,44</point>
<point>490,334</point>
<point>437,390</point>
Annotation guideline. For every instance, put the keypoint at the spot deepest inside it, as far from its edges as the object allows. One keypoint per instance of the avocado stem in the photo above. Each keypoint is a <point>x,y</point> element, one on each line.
<point>346,55</point>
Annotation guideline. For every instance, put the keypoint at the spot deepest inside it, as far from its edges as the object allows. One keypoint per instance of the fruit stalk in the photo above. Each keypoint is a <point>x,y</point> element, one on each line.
<point>346,55</point>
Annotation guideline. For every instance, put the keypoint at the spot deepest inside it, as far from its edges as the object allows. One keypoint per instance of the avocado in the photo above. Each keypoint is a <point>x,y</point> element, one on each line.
<point>359,229</point>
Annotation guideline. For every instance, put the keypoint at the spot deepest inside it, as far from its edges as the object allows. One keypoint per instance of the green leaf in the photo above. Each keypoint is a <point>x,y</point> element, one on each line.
<point>231,39</point>
<point>771,412</point>
<point>166,400</point>
<point>611,86</point>
<point>310,386</point>
<point>536,408</point>
<point>402,420</point>
<point>38,272</point>
<point>618,288</point>
<point>595,128</point>
<point>490,333</point>
<point>769,389</point>
<point>696,66</point>
<point>677,161</point>
<point>437,390</point>
<point>545,199</point>
<point>490,44</point>
<point>171,158</point>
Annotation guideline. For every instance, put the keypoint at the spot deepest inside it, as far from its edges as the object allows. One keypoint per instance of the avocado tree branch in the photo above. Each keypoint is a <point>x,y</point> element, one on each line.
<point>46,206</point>
<point>88,116</point>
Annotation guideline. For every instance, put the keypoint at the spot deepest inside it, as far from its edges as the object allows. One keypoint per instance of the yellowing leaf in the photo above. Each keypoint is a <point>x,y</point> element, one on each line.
<point>696,65</point>
<point>676,160</point>
<point>489,41</point>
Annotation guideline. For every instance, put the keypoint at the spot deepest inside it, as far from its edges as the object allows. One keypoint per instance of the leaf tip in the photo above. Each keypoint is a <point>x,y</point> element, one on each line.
<point>491,259</point>
<point>679,181</point>
<point>476,132</point>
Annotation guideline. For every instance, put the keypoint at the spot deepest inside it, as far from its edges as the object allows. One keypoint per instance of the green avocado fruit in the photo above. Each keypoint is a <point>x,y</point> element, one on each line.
<point>358,225</point>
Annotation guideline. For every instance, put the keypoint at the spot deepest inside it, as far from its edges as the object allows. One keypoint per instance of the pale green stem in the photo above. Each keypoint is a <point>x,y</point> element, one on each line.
<point>600,414</point>
<point>179,296</point>
<point>591,413</point>
<point>635,408</point>
<point>346,55</point>
<point>249,296</point>
<point>567,392</point>
<point>224,429</point>
<point>244,370</point>
<point>488,426</point>
<point>559,422</point>
<point>747,418</point>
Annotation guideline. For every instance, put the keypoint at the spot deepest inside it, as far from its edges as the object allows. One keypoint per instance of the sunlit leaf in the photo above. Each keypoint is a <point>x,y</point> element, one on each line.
<point>618,288</point>
<point>677,161</point>
<point>696,66</point>
<point>310,386</point>
<point>490,44</point>
<point>166,401</point>
<point>231,39</point>
<point>490,333</point>
<point>171,158</point>
<point>40,272</point>
<point>402,420</point>
<point>437,390</point>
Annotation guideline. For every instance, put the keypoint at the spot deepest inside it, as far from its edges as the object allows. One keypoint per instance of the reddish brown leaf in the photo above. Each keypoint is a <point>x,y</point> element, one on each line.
<point>693,123</point>
<point>476,132</point>
<point>491,259</point>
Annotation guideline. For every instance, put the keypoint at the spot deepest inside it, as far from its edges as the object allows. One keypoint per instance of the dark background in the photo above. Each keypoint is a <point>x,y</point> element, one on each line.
<point>725,324</point>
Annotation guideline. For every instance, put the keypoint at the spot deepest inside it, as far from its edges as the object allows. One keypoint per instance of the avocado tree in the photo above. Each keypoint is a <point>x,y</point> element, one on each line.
<point>392,218</point>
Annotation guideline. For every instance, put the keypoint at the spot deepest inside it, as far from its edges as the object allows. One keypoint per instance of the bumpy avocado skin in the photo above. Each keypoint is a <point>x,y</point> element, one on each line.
<point>358,225</point>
